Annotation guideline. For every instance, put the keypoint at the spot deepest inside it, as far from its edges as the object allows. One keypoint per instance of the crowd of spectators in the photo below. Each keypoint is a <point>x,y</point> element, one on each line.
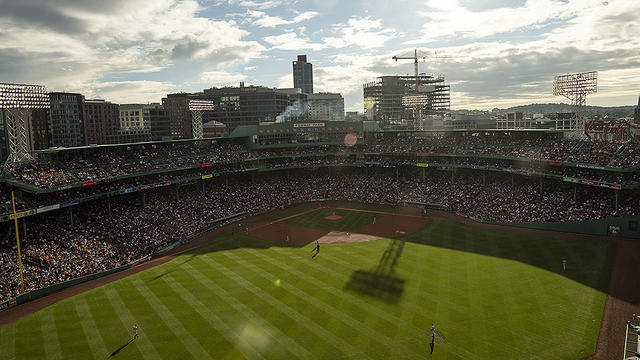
<point>42,174</point>
<point>105,163</point>
<point>96,236</point>
<point>584,151</point>
<point>508,198</point>
<point>5,201</point>
<point>113,186</point>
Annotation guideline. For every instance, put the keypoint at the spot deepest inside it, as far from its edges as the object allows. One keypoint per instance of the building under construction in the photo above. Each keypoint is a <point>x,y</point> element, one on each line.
<point>393,102</point>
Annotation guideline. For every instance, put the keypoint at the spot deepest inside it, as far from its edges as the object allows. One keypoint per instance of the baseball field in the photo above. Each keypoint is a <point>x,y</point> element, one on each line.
<point>381,278</point>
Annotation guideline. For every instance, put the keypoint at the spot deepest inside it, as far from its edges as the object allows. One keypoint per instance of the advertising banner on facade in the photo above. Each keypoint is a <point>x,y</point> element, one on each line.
<point>569,179</point>
<point>48,208</point>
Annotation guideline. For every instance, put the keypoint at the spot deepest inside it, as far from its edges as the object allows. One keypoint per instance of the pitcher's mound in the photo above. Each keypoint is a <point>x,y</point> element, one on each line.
<point>333,217</point>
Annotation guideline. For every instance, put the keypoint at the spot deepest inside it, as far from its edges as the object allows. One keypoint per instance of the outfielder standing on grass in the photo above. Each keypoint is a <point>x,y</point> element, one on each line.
<point>135,331</point>
<point>316,249</point>
<point>433,337</point>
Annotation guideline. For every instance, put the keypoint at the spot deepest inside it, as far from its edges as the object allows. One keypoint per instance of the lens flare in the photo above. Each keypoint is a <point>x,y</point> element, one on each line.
<point>350,139</point>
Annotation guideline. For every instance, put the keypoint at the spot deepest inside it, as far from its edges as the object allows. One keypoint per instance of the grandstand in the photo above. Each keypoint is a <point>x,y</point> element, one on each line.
<point>87,210</point>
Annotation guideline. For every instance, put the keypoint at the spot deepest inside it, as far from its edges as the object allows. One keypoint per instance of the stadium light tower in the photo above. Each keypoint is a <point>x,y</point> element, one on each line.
<point>18,101</point>
<point>197,107</point>
<point>576,87</point>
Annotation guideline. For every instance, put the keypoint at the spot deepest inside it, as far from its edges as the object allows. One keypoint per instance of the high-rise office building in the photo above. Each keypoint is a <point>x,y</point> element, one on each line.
<point>303,75</point>
<point>100,121</point>
<point>66,119</point>
<point>245,105</point>
<point>40,132</point>
<point>159,122</point>
<point>177,106</point>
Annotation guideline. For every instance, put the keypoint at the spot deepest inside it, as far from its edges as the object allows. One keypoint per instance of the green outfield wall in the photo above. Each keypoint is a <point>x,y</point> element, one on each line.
<point>628,226</point>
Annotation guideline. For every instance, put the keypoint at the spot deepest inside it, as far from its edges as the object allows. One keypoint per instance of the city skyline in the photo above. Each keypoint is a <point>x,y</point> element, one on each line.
<point>493,53</point>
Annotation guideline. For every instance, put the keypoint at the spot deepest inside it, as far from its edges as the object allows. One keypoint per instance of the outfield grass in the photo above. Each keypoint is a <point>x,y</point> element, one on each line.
<point>493,294</point>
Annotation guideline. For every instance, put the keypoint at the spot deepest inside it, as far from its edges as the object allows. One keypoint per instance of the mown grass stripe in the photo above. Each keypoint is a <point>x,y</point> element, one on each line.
<point>212,319</point>
<point>151,325</point>
<point>277,316</point>
<point>174,324</point>
<point>345,318</point>
<point>51,342</point>
<point>29,338</point>
<point>105,319</point>
<point>412,307</point>
<point>70,335</point>
<point>145,346</point>
<point>343,277</point>
<point>237,305</point>
<point>300,318</point>
<point>96,343</point>
<point>8,342</point>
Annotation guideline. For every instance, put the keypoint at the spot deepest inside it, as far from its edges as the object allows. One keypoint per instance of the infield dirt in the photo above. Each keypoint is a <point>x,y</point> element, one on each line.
<point>388,226</point>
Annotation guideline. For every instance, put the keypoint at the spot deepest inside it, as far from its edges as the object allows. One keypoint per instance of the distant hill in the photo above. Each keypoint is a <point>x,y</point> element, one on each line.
<point>599,111</point>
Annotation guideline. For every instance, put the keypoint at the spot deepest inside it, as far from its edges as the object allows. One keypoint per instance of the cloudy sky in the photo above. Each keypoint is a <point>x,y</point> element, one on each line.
<point>494,53</point>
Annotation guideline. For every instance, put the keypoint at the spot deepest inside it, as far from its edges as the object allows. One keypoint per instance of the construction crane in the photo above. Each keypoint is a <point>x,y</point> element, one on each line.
<point>419,102</point>
<point>415,63</point>
<point>415,59</point>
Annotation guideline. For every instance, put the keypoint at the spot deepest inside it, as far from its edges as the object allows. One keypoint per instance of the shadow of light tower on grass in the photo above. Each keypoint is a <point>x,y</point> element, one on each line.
<point>381,282</point>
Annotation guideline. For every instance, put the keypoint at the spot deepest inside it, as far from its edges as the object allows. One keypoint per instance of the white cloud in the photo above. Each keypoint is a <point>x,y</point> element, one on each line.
<point>128,91</point>
<point>262,5</point>
<point>291,41</point>
<point>447,18</point>
<point>345,79</point>
<point>307,15</point>
<point>362,32</point>
<point>262,19</point>
<point>221,78</point>
<point>285,81</point>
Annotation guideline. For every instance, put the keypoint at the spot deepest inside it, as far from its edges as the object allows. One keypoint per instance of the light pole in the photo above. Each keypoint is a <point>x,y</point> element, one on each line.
<point>18,101</point>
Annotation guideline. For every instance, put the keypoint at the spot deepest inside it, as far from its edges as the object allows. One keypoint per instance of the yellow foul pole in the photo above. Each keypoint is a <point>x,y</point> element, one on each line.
<point>15,219</point>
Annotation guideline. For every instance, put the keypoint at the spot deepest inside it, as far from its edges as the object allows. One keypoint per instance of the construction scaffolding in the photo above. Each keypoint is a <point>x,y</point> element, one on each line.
<point>17,102</point>
<point>394,101</point>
